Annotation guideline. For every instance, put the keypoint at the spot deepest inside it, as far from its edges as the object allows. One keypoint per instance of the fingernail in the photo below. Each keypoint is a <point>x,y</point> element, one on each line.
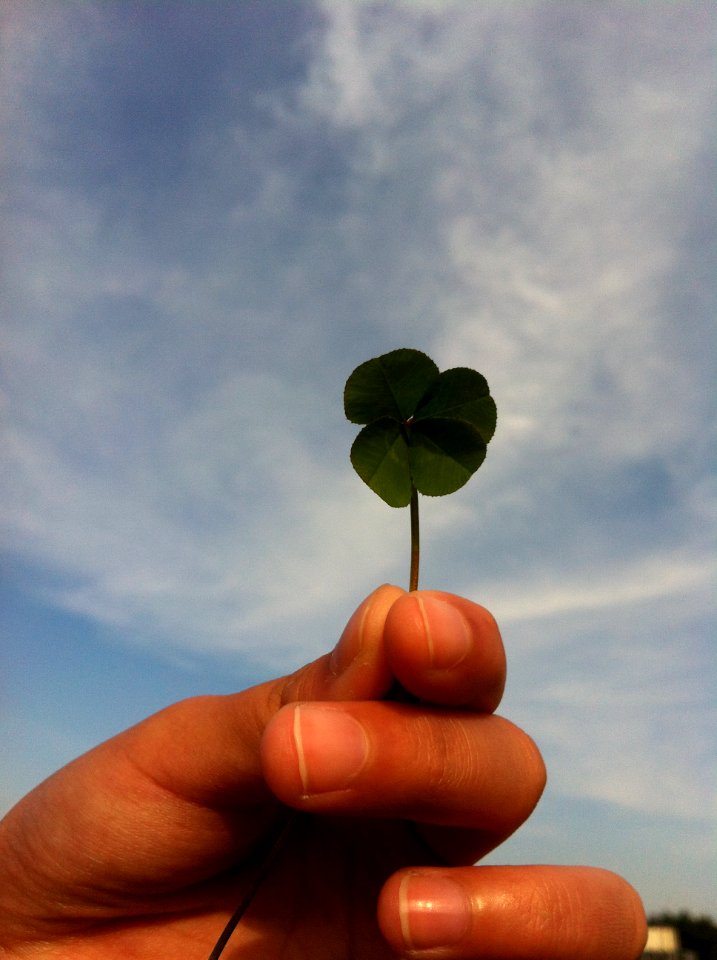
<point>434,912</point>
<point>447,632</point>
<point>331,747</point>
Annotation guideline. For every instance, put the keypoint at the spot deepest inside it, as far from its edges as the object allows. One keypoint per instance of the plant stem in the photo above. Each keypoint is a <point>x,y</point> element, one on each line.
<point>280,840</point>
<point>264,867</point>
<point>415,541</point>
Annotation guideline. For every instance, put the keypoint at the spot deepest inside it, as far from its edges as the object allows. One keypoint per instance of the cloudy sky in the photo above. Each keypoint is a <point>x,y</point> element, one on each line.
<point>211,214</point>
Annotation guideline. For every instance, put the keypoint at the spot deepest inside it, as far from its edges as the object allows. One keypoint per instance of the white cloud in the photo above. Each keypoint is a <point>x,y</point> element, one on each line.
<point>227,510</point>
<point>648,578</point>
<point>522,221</point>
<point>615,696</point>
<point>550,158</point>
<point>633,747</point>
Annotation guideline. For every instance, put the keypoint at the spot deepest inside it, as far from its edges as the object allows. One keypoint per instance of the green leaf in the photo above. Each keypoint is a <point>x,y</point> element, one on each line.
<point>444,455</point>
<point>380,457</point>
<point>388,386</point>
<point>425,430</point>
<point>460,394</point>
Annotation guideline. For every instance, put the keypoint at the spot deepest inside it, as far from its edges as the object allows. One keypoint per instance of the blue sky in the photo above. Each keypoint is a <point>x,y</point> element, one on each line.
<point>212,212</point>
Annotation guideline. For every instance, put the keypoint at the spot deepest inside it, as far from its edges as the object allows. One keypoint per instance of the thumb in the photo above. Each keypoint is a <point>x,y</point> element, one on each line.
<point>214,756</point>
<point>168,782</point>
<point>357,668</point>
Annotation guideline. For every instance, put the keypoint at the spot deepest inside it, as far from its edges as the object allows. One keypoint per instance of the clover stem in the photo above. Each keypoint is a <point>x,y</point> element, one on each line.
<point>264,867</point>
<point>415,541</point>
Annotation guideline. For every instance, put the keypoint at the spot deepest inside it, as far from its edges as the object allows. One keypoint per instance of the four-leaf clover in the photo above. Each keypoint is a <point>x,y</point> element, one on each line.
<point>425,430</point>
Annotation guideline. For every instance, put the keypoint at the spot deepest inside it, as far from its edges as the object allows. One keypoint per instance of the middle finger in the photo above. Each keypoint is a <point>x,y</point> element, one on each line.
<point>383,759</point>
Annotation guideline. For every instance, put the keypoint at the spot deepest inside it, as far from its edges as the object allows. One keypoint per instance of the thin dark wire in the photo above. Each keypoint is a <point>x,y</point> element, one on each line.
<point>261,874</point>
<point>415,540</point>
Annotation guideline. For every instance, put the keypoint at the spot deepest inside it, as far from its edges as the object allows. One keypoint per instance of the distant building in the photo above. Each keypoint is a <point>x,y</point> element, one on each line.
<point>663,943</point>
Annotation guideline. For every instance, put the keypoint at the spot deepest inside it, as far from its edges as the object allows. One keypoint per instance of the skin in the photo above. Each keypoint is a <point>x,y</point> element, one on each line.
<point>403,775</point>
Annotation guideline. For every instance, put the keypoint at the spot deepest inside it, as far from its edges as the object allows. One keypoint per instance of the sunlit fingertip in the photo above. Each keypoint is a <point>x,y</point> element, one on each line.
<point>433,911</point>
<point>447,632</point>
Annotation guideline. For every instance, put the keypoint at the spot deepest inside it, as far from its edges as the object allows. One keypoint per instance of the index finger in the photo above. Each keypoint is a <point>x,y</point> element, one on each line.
<point>446,650</point>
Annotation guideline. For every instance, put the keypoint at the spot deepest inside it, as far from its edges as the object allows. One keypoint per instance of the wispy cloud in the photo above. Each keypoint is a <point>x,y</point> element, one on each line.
<point>541,219</point>
<point>622,585</point>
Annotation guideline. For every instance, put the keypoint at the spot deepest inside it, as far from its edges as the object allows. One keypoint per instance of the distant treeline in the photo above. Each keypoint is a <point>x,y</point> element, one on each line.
<point>696,933</point>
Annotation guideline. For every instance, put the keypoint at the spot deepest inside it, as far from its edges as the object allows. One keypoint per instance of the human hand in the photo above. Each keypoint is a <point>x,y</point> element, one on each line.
<point>142,847</point>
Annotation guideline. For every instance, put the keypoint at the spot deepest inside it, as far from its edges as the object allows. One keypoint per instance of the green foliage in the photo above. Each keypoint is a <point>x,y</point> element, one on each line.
<point>424,430</point>
<point>697,934</point>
